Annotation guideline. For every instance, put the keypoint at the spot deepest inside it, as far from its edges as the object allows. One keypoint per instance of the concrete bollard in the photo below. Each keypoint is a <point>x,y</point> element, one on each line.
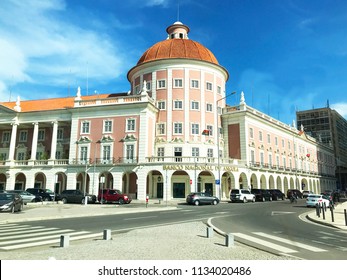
<point>209,231</point>
<point>345,212</point>
<point>332,214</point>
<point>64,241</point>
<point>107,234</point>
<point>229,240</point>
<point>323,211</point>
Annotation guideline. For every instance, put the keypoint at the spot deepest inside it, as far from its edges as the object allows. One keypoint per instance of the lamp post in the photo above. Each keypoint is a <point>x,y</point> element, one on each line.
<point>102,181</point>
<point>218,181</point>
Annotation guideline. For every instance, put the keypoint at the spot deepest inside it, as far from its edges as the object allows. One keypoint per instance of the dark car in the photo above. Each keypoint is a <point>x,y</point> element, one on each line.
<point>112,195</point>
<point>11,202</point>
<point>297,193</point>
<point>45,194</point>
<point>76,196</point>
<point>198,198</point>
<point>261,194</point>
<point>277,194</point>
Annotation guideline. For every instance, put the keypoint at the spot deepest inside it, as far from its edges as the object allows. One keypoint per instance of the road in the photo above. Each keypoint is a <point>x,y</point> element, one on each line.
<point>272,226</point>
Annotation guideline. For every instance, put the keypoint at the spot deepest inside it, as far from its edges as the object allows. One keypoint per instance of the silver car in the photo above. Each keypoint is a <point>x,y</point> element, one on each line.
<point>26,196</point>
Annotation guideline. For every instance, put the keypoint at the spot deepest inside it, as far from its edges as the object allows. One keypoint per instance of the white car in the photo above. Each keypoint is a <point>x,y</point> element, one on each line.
<point>314,199</point>
<point>241,195</point>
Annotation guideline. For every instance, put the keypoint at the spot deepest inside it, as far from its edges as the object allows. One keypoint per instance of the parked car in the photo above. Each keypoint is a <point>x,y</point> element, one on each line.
<point>297,193</point>
<point>277,194</point>
<point>313,199</point>
<point>241,195</point>
<point>26,196</point>
<point>76,196</point>
<point>306,193</point>
<point>11,202</point>
<point>45,194</point>
<point>198,198</point>
<point>113,195</point>
<point>262,194</point>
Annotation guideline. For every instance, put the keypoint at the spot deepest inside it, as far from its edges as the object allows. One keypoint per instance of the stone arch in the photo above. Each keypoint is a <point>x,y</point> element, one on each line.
<point>83,182</point>
<point>243,182</point>
<point>271,182</point>
<point>285,185</point>
<point>41,181</point>
<point>60,182</point>
<point>254,181</point>
<point>3,181</point>
<point>262,182</point>
<point>129,184</point>
<point>20,182</point>
<point>181,183</point>
<point>279,183</point>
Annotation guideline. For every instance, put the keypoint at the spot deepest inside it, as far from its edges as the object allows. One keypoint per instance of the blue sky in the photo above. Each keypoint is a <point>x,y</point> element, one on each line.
<point>284,54</point>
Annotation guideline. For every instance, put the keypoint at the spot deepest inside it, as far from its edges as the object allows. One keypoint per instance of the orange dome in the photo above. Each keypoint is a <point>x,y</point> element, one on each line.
<point>178,48</point>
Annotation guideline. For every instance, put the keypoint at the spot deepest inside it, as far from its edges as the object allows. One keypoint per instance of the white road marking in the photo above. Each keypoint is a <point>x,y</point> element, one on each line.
<point>265,243</point>
<point>290,242</point>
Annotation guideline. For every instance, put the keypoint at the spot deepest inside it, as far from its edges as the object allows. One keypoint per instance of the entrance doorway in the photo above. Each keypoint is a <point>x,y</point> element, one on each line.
<point>160,190</point>
<point>179,190</point>
<point>209,188</point>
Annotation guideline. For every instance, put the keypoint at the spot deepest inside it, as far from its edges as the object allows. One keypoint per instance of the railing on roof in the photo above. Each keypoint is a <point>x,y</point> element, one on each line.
<point>113,100</point>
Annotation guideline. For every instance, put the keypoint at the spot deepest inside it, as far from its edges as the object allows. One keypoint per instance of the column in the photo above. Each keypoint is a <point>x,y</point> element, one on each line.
<point>34,142</point>
<point>54,140</point>
<point>13,141</point>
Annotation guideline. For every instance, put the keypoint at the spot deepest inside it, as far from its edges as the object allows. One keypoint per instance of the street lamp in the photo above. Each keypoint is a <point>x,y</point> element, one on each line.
<point>218,155</point>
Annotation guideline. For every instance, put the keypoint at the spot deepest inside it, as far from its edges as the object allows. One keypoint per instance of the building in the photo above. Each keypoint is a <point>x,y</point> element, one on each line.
<point>329,127</point>
<point>171,134</point>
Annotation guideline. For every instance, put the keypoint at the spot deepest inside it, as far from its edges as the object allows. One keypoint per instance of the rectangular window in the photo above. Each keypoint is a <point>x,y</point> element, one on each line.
<point>161,128</point>
<point>282,143</point>
<point>178,104</point>
<point>208,86</point>
<point>289,145</point>
<point>83,153</point>
<point>178,83</point>
<point>260,136</point>
<point>210,153</point>
<point>219,90</point>
<point>130,151</point>
<point>161,105</point>
<point>20,156</point>
<point>195,105</point>
<point>252,156</point>
<point>262,158</point>
<point>276,141</point>
<point>209,129</point>
<point>284,163</point>
<point>270,160</point>
<point>85,127</point>
<point>161,84</point>
<point>6,137</point>
<point>195,128</point>
<point>137,89</point>
<point>23,136</point>
<point>269,139</point>
<point>177,128</point>
<point>161,152</point>
<point>131,125</point>
<point>194,84</point>
<point>148,85</point>
<point>178,154</point>
<point>106,152</point>
<point>60,134</point>
<point>41,135</point>
<point>209,107</point>
<point>251,132</point>
<point>107,126</point>
<point>195,152</point>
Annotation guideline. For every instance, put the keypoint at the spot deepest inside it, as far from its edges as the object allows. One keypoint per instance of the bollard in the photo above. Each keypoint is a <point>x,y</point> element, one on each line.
<point>317,210</point>
<point>345,216</point>
<point>64,241</point>
<point>332,213</point>
<point>323,211</point>
<point>209,232</point>
<point>107,234</point>
<point>229,240</point>
<point>147,197</point>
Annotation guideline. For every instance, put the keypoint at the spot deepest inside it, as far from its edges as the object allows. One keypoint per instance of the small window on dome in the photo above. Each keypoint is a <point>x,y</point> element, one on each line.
<point>172,36</point>
<point>181,35</point>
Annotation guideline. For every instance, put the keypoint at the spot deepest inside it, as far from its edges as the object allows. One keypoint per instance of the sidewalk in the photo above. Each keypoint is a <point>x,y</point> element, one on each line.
<point>339,217</point>
<point>57,210</point>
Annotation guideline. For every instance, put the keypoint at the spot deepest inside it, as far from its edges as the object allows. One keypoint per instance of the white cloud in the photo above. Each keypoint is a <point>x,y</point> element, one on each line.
<point>41,45</point>
<point>341,108</point>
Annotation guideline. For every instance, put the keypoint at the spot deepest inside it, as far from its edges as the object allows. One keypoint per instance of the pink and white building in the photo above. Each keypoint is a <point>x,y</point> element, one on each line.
<point>171,134</point>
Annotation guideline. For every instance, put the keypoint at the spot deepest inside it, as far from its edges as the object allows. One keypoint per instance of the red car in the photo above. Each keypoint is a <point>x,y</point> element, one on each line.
<point>111,195</point>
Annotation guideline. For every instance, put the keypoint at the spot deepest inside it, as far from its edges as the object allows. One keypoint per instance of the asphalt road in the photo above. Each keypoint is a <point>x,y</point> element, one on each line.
<point>272,226</point>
